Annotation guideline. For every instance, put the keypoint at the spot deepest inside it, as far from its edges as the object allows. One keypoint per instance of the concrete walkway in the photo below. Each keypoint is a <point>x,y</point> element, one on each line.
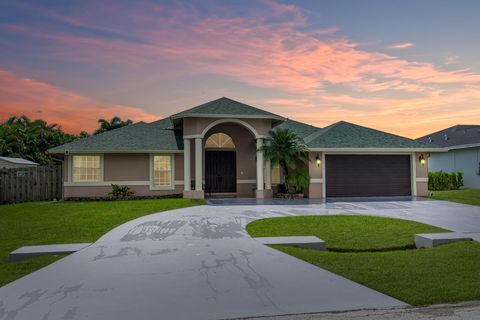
<point>199,263</point>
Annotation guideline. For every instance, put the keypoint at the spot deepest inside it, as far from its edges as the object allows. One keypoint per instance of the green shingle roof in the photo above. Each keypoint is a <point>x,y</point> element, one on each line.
<point>226,107</point>
<point>301,129</point>
<point>138,137</point>
<point>348,135</point>
<point>159,136</point>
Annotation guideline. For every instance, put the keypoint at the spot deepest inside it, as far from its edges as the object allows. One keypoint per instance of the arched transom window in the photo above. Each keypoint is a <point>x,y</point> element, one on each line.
<point>219,141</point>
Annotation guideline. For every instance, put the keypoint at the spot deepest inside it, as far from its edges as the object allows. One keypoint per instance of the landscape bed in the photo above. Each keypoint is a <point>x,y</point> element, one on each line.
<point>37,223</point>
<point>379,253</point>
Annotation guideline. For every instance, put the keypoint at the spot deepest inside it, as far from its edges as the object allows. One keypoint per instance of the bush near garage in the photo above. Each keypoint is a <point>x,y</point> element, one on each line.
<point>440,181</point>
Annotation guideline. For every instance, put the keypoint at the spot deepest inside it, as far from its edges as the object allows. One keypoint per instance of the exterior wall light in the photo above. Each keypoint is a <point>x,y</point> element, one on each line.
<point>422,160</point>
<point>318,161</point>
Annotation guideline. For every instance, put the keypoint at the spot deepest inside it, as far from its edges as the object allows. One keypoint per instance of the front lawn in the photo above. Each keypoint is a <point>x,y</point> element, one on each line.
<point>37,223</point>
<point>346,233</point>
<point>367,251</point>
<point>467,196</point>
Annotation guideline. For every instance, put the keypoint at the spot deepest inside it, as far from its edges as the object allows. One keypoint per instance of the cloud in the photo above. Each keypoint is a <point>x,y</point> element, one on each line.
<point>74,112</point>
<point>403,45</point>
<point>313,75</point>
<point>452,59</point>
<point>271,46</point>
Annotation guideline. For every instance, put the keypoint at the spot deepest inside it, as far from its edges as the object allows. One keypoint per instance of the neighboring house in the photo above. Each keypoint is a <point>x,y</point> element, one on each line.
<point>212,149</point>
<point>8,162</point>
<point>463,145</point>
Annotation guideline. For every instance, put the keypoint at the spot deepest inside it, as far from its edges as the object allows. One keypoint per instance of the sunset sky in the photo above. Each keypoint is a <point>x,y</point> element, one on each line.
<point>406,67</point>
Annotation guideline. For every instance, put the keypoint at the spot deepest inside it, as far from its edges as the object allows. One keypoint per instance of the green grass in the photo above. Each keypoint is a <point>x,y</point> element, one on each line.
<point>445,274</point>
<point>467,196</point>
<point>65,222</point>
<point>345,233</point>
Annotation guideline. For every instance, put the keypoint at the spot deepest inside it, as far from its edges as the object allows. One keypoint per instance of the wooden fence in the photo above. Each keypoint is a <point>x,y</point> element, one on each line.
<point>30,184</point>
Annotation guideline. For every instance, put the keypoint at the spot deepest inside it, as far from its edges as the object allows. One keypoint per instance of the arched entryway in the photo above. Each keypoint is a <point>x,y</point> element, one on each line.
<point>220,164</point>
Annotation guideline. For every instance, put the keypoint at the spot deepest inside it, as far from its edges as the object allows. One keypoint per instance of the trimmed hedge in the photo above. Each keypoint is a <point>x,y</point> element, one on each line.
<point>440,181</point>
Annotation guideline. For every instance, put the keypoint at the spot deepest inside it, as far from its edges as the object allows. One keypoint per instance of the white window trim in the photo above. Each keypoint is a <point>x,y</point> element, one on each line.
<point>172,160</point>
<point>84,183</point>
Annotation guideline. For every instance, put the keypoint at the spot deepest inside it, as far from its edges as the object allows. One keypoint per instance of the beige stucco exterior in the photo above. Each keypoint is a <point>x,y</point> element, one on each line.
<point>421,174</point>
<point>315,189</point>
<point>135,169</point>
<point>198,126</point>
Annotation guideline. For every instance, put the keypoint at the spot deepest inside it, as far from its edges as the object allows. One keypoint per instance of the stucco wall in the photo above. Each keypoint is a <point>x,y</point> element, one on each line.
<point>421,174</point>
<point>315,189</point>
<point>195,126</point>
<point>102,191</point>
<point>463,160</point>
<point>130,169</point>
<point>126,167</point>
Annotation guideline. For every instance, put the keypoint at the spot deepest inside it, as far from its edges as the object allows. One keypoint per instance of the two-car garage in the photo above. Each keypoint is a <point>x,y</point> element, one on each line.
<point>367,175</point>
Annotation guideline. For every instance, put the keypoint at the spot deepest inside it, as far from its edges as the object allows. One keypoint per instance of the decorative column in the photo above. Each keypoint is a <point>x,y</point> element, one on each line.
<point>186,165</point>
<point>198,164</point>
<point>268,175</point>
<point>259,168</point>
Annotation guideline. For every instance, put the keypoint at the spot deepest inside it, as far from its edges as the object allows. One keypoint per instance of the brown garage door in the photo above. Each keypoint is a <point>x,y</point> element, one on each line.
<point>367,175</point>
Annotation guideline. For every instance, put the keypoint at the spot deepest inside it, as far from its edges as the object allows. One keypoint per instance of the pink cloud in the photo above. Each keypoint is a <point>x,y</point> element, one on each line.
<point>264,49</point>
<point>74,112</point>
<point>271,47</point>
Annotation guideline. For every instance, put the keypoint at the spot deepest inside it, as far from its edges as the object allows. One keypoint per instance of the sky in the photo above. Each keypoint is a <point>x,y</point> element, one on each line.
<point>407,67</point>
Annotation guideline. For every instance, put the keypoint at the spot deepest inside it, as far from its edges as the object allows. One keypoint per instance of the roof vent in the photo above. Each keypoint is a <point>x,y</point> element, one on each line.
<point>429,139</point>
<point>446,137</point>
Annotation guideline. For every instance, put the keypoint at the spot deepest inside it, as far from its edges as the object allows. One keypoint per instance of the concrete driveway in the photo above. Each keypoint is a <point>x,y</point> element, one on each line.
<point>199,263</point>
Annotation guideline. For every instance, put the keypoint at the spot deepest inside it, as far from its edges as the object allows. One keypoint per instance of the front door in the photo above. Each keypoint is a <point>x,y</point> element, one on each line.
<point>220,172</point>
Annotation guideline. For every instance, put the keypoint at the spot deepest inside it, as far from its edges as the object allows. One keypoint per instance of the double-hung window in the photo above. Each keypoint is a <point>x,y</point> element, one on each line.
<point>86,168</point>
<point>162,175</point>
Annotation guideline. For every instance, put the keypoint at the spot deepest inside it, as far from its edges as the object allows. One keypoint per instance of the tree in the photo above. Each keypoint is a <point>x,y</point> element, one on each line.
<point>285,148</point>
<point>21,137</point>
<point>114,123</point>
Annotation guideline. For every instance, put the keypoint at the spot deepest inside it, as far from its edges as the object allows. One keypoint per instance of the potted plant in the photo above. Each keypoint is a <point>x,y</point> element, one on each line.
<point>285,148</point>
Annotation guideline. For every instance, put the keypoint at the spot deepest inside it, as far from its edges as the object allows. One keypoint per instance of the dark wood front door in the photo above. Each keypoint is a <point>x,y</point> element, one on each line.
<point>220,171</point>
<point>367,175</point>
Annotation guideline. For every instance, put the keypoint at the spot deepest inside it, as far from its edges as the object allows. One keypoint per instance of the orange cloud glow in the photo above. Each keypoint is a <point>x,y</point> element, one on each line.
<point>24,96</point>
<point>312,75</point>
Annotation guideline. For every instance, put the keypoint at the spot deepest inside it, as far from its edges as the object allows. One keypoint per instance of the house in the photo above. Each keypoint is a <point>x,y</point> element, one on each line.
<point>212,149</point>
<point>463,145</point>
<point>8,163</point>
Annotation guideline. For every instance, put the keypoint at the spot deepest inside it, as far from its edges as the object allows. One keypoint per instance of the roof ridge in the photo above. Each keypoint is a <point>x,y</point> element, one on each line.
<point>225,99</point>
<point>320,132</point>
<point>472,126</point>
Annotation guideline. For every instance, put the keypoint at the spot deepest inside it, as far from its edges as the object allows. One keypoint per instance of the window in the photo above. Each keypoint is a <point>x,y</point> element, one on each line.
<point>276,174</point>
<point>86,168</point>
<point>162,171</point>
<point>219,140</point>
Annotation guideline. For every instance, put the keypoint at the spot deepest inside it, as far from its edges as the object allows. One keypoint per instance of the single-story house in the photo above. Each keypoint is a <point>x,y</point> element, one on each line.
<point>212,149</point>
<point>9,162</point>
<point>462,143</point>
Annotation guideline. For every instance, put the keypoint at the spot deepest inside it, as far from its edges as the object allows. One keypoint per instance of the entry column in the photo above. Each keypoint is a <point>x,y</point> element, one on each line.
<point>186,165</point>
<point>260,191</point>
<point>198,166</point>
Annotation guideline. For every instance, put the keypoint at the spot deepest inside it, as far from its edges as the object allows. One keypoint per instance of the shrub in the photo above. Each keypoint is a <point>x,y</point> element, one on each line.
<point>121,191</point>
<point>438,181</point>
<point>298,179</point>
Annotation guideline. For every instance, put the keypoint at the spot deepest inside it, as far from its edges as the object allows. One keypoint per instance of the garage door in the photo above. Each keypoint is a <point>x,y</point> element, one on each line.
<point>367,175</point>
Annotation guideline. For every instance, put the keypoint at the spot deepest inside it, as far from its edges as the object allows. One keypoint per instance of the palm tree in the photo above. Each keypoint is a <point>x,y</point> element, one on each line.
<point>114,123</point>
<point>285,148</point>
